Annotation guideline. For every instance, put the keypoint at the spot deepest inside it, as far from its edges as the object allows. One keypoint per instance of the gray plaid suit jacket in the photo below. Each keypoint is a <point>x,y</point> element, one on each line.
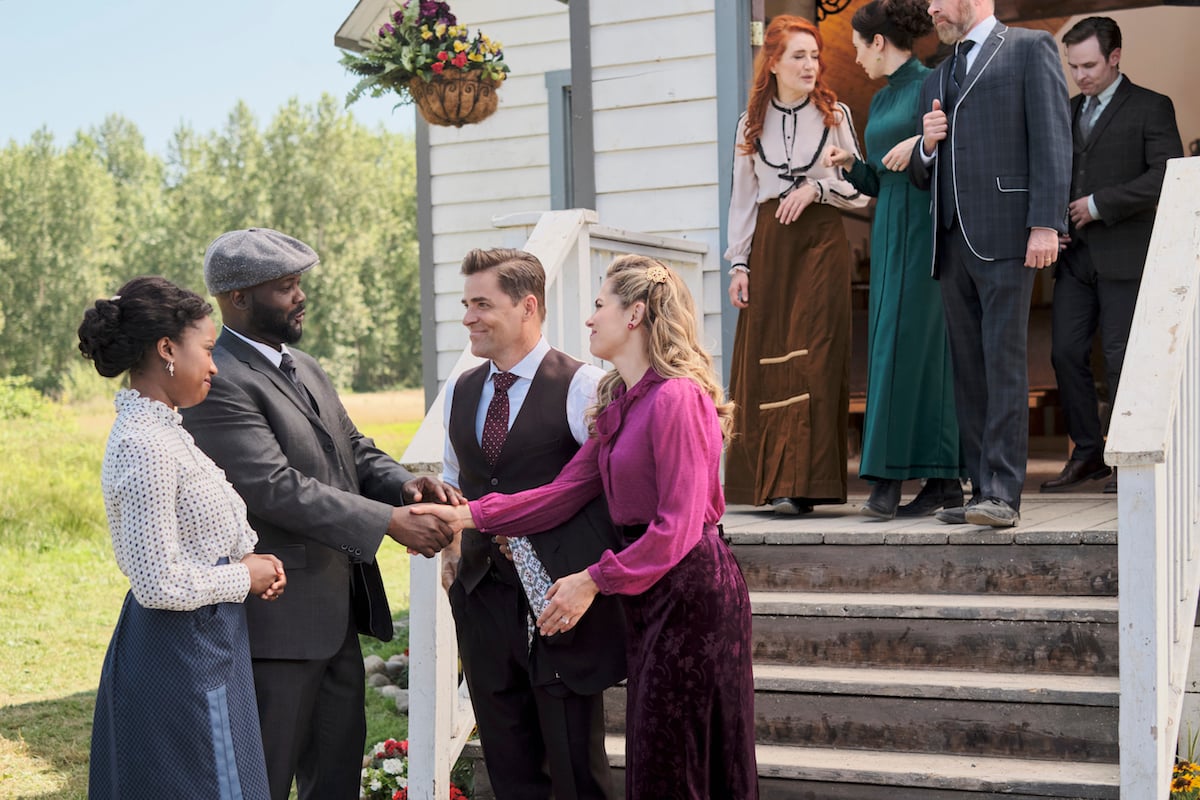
<point>1009,143</point>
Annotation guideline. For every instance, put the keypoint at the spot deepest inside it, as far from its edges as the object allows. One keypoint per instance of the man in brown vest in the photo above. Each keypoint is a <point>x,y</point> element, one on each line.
<point>512,424</point>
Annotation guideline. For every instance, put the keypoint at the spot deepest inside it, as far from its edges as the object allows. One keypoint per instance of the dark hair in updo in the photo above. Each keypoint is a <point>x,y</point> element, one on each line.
<point>115,334</point>
<point>898,21</point>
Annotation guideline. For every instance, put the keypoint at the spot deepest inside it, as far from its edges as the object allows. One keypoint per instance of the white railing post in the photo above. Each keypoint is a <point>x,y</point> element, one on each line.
<point>433,675</point>
<point>1153,442</point>
<point>1145,635</point>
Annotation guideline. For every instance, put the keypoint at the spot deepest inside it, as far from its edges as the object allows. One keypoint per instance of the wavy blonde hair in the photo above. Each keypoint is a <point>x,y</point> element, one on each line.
<point>670,321</point>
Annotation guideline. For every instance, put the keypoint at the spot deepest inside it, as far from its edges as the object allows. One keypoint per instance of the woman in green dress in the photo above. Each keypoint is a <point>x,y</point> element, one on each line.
<point>910,430</point>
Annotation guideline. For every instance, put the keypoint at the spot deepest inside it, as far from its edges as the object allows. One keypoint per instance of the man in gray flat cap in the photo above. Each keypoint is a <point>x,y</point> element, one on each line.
<point>321,497</point>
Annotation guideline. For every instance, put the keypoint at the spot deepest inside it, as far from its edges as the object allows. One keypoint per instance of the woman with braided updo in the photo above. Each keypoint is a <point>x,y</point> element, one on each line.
<point>176,714</point>
<point>658,428</point>
<point>910,429</point>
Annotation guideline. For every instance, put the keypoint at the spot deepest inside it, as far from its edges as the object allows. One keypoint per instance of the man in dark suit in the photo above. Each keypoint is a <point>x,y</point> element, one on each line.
<point>1123,136</point>
<point>321,497</point>
<point>512,424</point>
<point>996,152</point>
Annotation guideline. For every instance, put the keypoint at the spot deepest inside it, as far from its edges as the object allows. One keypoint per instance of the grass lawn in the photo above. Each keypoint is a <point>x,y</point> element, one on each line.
<point>61,591</point>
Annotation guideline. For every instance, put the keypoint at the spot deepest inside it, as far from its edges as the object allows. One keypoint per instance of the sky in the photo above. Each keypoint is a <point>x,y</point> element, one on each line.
<point>66,65</point>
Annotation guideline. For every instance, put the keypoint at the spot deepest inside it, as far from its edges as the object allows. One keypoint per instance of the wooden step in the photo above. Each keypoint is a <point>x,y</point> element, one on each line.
<point>926,568</point>
<point>1063,717</point>
<point>991,634</point>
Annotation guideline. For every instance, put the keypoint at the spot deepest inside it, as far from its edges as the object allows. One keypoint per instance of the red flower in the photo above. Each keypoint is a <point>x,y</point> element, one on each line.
<point>443,56</point>
<point>401,794</point>
<point>437,68</point>
<point>459,60</point>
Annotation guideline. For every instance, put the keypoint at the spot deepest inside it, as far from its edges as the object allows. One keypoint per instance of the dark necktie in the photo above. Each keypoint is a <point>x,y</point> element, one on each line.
<point>534,578</point>
<point>958,73</point>
<point>495,424</point>
<point>1087,118</point>
<point>947,203</point>
<point>287,365</point>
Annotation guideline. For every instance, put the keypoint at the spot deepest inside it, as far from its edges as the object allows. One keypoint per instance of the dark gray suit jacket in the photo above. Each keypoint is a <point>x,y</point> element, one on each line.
<point>1122,164</point>
<point>1009,143</point>
<point>318,492</point>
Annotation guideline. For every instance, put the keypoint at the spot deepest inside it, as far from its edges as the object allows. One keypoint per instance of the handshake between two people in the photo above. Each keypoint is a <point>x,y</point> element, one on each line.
<point>434,514</point>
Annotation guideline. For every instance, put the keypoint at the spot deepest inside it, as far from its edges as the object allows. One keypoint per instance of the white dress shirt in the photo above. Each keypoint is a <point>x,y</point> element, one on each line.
<point>270,353</point>
<point>978,35</point>
<point>1102,101</point>
<point>580,396</point>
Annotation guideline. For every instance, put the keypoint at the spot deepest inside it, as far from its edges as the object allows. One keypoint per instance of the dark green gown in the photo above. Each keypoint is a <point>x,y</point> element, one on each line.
<point>910,429</point>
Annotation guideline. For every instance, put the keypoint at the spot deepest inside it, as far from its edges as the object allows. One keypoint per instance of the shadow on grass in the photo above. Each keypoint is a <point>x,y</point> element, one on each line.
<point>57,735</point>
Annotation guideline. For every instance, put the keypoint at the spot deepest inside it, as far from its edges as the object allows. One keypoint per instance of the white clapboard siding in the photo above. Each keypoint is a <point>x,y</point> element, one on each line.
<point>656,168</point>
<point>656,126</point>
<point>449,248</point>
<point>680,210</point>
<point>460,217</point>
<point>653,82</point>
<point>522,151</point>
<point>664,38</point>
<point>500,184</point>
<point>610,11</point>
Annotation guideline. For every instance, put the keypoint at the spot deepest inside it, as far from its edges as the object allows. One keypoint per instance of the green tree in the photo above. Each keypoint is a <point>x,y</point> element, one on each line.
<point>57,234</point>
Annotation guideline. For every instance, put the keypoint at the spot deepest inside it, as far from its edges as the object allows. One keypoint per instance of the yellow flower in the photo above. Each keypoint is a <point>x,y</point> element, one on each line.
<point>475,57</point>
<point>459,45</point>
<point>440,29</point>
<point>426,34</point>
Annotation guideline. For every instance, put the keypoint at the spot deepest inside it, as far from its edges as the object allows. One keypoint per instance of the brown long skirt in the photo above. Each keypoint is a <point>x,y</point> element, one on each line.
<point>790,376</point>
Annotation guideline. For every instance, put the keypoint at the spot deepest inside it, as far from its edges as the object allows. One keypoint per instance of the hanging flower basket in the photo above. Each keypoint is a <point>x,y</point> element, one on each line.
<point>424,56</point>
<point>455,98</point>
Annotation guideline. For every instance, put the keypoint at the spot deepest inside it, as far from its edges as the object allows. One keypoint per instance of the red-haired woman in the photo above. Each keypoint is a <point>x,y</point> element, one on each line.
<point>791,354</point>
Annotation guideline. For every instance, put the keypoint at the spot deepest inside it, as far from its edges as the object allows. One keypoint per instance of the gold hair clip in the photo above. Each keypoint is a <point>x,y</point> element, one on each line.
<point>657,273</point>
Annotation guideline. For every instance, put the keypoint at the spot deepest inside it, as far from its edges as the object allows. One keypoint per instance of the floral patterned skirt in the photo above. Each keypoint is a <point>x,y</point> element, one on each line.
<point>690,716</point>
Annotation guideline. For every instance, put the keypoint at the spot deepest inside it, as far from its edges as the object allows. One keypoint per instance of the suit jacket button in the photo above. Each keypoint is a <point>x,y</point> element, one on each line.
<point>495,481</point>
<point>328,447</point>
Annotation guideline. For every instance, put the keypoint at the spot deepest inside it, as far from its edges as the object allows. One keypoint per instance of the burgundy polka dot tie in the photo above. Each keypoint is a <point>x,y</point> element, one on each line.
<point>495,424</point>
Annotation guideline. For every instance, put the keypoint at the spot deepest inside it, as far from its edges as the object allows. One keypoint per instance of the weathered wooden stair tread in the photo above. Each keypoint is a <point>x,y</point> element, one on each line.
<point>929,771</point>
<point>1070,608</point>
<point>941,684</point>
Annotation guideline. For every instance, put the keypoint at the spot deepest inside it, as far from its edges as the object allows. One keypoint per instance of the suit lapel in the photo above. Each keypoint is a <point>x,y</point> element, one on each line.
<point>990,47</point>
<point>259,363</point>
<point>1120,96</point>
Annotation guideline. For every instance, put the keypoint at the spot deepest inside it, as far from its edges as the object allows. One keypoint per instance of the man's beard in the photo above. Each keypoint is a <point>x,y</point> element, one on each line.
<point>276,324</point>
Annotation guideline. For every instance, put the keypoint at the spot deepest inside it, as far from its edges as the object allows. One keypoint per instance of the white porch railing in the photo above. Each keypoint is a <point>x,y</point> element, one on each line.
<point>575,252</point>
<point>1154,440</point>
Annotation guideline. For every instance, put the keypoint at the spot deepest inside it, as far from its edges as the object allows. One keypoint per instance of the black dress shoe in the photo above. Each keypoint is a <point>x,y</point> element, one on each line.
<point>884,500</point>
<point>1111,486</point>
<point>1075,473</point>
<point>936,493</point>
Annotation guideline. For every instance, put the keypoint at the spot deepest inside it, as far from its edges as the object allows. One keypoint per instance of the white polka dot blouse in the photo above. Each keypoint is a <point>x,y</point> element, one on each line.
<point>171,512</point>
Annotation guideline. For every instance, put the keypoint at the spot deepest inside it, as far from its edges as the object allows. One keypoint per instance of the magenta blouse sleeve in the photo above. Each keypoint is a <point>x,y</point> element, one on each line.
<point>680,448</point>
<point>544,507</point>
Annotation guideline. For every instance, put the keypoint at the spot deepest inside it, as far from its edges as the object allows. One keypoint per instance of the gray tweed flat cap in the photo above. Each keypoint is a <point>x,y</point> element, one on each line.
<point>241,259</point>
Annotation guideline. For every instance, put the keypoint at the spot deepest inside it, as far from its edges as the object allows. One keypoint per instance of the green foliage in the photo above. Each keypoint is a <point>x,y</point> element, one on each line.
<point>78,221</point>
<point>19,400</point>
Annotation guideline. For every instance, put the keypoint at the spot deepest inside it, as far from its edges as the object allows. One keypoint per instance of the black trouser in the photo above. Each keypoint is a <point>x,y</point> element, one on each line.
<point>314,722</point>
<point>538,742</point>
<point>1083,303</point>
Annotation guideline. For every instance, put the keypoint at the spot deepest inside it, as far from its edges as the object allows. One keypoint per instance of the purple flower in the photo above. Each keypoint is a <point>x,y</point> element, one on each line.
<point>386,29</point>
<point>399,15</point>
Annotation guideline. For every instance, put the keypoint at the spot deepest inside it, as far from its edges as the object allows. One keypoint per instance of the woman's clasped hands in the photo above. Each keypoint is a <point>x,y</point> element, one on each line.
<point>267,578</point>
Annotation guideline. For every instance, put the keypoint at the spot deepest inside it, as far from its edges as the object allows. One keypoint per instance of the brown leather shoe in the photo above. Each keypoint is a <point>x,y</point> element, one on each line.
<point>1076,472</point>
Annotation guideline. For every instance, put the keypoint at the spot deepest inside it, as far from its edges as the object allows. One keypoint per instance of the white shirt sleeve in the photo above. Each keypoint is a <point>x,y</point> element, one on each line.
<point>450,466</point>
<point>581,396</point>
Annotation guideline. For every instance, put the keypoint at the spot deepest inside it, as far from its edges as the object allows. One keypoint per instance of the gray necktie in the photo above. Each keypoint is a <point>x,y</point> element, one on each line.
<point>1087,117</point>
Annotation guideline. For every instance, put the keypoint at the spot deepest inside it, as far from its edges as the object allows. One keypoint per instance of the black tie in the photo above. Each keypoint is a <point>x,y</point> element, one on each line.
<point>958,74</point>
<point>287,365</point>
